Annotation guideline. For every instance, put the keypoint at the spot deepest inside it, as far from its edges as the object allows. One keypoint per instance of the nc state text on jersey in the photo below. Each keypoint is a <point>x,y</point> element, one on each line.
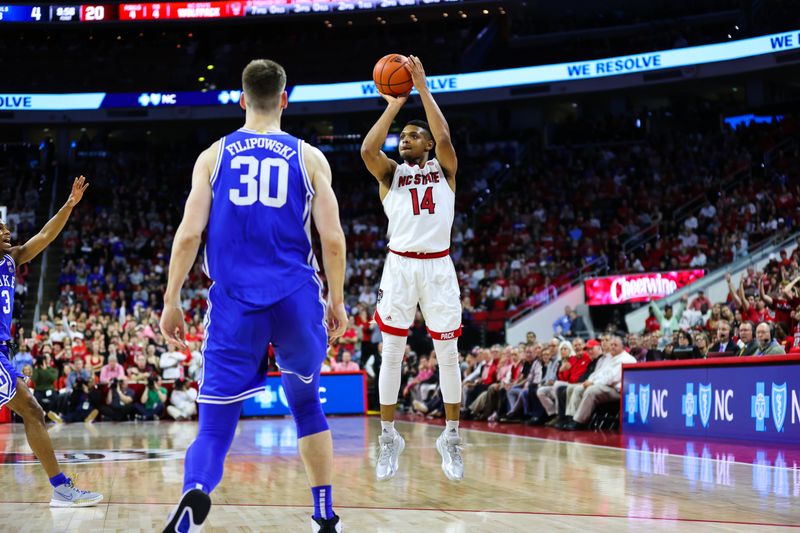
<point>418,179</point>
<point>265,143</point>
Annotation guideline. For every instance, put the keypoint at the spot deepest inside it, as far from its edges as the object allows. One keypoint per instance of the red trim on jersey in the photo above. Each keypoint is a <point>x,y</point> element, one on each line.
<point>427,255</point>
<point>445,336</point>
<point>389,329</point>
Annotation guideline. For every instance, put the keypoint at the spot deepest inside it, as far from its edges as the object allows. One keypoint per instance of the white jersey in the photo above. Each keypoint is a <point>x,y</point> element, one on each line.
<point>420,206</point>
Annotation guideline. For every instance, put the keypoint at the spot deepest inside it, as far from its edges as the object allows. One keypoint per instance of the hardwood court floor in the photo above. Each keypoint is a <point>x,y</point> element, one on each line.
<point>513,483</point>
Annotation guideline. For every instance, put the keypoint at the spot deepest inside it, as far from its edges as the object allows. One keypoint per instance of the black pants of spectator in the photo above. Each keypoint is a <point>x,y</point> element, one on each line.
<point>78,415</point>
<point>117,414</point>
<point>61,402</point>
<point>561,396</point>
<point>535,407</point>
<point>435,403</point>
<point>48,402</point>
<point>150,414</point>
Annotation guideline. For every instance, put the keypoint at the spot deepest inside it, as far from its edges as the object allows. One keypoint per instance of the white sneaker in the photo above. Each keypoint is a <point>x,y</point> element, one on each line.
<point>449,446</point>
<point>67,495</point>
<point>391,446</point>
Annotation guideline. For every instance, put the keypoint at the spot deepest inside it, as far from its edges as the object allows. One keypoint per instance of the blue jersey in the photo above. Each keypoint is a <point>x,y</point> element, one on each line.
<point>8,279</point>
<point>258,247</point>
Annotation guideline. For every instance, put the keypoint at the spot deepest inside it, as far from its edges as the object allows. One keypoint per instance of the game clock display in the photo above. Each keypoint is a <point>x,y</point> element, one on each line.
<point>149,11</point>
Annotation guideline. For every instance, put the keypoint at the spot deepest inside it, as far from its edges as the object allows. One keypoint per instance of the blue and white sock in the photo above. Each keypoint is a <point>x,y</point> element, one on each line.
<point>60,479</point>
<point>323,501</point>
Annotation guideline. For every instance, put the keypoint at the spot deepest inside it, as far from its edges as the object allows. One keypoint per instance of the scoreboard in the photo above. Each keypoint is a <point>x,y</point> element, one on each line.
<point>192,10</point>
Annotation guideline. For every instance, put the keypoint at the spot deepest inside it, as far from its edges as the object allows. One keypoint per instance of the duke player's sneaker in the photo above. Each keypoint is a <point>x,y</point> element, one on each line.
<point>391,446</point>
<point>449,446</point>
<point>67,495</point>
<point>191,512</point>
<point>331,525</point>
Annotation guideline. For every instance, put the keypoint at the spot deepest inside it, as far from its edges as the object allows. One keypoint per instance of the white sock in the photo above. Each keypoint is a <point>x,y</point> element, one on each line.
<point>387,427</point>
<point>452,425</point>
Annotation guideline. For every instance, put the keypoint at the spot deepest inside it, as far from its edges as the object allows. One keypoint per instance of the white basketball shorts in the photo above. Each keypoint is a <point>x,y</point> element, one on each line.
<point>432,283</point>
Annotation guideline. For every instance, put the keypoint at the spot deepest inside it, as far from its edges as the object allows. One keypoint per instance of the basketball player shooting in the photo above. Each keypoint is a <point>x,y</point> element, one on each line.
<point>13,390</point>
<point>418,197</point>
<point>255,192</point>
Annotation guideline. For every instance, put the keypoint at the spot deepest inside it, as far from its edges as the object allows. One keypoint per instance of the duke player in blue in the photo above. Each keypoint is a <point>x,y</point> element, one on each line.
<point>255,192</point>
<point>13,390</point>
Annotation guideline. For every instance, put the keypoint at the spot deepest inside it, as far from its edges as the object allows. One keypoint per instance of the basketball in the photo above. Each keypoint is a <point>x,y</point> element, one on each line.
<point>391,77</point>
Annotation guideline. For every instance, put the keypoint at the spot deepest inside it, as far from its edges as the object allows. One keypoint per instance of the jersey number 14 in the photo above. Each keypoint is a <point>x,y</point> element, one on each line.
<point>426,203</point>
<point>257,176</point>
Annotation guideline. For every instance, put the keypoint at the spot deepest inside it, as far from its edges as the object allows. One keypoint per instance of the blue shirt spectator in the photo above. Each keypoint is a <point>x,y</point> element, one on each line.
<point>563,323</point>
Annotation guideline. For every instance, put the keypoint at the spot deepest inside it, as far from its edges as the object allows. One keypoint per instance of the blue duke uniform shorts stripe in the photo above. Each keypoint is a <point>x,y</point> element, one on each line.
<point>8,376</point>
<point>238,335</point>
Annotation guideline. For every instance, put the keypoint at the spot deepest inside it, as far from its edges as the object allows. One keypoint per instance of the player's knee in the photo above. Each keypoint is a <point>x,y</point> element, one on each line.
<point>29,409</point>
<point>446,352</point>
<point>305,405</point>
<point>394,348</point>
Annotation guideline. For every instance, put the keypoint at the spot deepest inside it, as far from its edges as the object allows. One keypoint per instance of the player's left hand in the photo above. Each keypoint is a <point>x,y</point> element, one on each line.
<point>173,326</point>
<point>336,320</point>
<point>79,186</point>
<point>414,67</point>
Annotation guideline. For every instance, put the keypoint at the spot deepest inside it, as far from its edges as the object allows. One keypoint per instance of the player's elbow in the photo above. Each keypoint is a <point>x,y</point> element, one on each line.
<point>187,239</point>
<point>333,240</point>
<point>368,153</point>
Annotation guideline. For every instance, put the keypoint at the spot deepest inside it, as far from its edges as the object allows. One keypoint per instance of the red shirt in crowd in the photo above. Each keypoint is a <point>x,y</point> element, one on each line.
<point>578,364</point>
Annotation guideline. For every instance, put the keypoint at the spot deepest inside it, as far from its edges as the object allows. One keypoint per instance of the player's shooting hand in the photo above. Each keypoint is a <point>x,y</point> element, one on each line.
<point>336,320</point>
<point>414,67</point>
<point>173,326</point>
<point>79,186</point>
<point>397,101</point>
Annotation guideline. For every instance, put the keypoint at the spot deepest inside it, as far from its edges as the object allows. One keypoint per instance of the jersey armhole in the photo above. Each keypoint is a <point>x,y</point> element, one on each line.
<point>11,259</point>
<point>215,174</point>
<point>302,158</point>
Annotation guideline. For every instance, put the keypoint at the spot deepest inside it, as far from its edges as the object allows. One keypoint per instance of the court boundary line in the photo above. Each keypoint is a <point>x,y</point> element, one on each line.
<point>618,448</point>
<point>473,511</point>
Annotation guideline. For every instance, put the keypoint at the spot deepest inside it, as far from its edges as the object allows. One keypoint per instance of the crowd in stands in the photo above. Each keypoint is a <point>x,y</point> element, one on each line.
<point>514,247</point>
<point>23,178</point>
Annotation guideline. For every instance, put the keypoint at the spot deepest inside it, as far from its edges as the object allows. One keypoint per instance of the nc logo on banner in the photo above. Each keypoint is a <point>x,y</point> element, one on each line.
<point>644,402</point>
<point>705,396</point>
<point>779,398</point>
<point>759,407</point>
<point>689,407</point>
<point>631,403</point>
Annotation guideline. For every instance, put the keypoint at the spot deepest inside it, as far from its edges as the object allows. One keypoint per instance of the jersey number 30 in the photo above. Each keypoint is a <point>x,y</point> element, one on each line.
<point>427,201</point>
<point>257,176</point>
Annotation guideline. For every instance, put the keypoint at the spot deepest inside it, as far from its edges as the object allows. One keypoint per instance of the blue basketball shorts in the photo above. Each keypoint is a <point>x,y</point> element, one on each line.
<point>237,338</point>
<point>8,376</point>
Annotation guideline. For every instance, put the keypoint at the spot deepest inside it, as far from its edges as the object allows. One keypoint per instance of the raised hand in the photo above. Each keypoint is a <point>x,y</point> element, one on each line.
<point>397,101</point>
<point>79,186</point>
<point>414,67</point>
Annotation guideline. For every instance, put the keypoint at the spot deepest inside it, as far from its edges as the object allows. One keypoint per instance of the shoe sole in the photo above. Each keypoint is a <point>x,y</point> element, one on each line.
<point>64,504</point>
<point>394,472</point>
<point>440,449</point>
<point>198,504</point>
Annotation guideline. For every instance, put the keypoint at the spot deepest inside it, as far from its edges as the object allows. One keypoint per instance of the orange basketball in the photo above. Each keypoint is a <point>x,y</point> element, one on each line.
<point>391,77</point>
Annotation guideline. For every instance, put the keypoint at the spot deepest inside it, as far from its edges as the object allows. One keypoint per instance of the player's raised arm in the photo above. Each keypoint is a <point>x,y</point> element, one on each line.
<point>445,153</point>
<point>377,163</point>
<point>186,244</point>
<point>25,252</point>
<point>325,210</point>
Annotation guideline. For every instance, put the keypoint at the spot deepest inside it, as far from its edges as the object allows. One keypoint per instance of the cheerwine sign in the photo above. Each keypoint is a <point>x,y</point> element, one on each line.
<point>611,290</point>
